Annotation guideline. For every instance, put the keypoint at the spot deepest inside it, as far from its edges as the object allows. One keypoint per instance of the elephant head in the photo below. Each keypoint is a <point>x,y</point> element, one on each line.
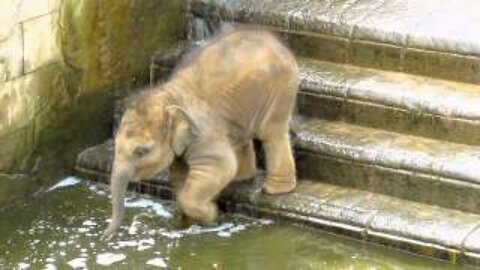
<point>145,144</point>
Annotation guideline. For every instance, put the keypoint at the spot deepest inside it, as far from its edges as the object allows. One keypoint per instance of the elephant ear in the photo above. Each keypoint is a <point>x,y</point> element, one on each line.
<point>181,127</point>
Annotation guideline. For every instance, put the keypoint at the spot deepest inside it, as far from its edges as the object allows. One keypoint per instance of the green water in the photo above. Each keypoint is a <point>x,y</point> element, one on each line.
<point>60,230</point>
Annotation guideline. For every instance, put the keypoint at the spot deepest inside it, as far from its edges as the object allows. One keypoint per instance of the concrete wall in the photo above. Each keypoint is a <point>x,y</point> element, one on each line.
<point>61,64</point>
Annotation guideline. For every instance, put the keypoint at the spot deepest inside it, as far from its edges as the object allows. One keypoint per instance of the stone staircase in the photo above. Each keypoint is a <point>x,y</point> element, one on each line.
<point>387,136</point>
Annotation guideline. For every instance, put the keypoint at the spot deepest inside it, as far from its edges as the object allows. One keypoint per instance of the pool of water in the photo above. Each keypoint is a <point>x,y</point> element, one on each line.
<point>60,229</point>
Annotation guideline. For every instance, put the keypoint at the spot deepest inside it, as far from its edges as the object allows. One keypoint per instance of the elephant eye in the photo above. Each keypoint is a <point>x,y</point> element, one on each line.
<point>142,150</point>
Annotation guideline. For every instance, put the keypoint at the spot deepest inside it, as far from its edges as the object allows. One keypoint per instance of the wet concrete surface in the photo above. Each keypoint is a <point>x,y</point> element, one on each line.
<point>387,34</point>
<point>393,150</point>
<point>409,167</point>
<point>390,100</point>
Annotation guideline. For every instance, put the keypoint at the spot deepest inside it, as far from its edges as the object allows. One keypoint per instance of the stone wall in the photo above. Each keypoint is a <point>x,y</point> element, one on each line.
<point>61,65</point>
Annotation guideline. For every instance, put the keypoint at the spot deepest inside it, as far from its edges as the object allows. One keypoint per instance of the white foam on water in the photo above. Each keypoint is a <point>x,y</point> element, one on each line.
<point>89,223</point>
<point>159,210</point>
<point>144,244</point>
<point>227,231</point>
<point>97,190</point>
<point>265,221</point>
<point>131,243</point>
<point>196,229</point>
<point>156,207</point>
<point>132,230</point>
<point>141,244</point>
<point>238,228</point>
<point>148,241</point>
<point>50,260</point>
<point>22,266</point>
<point>69,181</point>
<point>78,263</point>
<point>110,258</point>
<point>83,230</point>
<point>224,234</point>
<point>142,248</point>
<point>50,266</point>
<point>158,262</point>
<point>172,234</point>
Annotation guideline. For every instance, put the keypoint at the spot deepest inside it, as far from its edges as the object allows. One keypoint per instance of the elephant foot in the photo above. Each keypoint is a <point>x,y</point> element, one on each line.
<point>187,222</point>
<point>279,185</point>
<point>199,212</point>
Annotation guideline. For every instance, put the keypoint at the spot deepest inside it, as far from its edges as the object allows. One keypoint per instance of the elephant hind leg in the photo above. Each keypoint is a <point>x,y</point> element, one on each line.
<point>247,164</point>
<point>280,164</point>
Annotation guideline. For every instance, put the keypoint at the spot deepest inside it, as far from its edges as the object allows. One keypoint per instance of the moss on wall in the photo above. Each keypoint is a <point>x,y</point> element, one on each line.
<point>111,40</point>
<point>66,104</point>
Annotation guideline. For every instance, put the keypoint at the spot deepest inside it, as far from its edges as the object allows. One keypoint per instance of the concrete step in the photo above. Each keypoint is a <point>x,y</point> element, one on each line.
<point>393,101</point>
<point>404,166</point>
<point>409,226</point>
<point>421,37</point>
<point>413,227</point>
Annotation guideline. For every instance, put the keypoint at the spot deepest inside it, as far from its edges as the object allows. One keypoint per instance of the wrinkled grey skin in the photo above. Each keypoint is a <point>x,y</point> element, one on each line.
<point>241,86</point>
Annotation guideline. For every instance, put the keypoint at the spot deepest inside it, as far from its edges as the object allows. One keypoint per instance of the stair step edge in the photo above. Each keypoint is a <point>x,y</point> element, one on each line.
<point>388,149</point>
<point>416,93</point>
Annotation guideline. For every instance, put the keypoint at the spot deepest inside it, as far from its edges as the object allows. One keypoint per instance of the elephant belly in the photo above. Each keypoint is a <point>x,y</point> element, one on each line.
<point>256,103</point>
<point>245,77</point>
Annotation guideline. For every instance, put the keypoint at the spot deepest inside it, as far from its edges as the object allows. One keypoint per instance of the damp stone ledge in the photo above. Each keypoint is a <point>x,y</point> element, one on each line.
<point>417,228</point>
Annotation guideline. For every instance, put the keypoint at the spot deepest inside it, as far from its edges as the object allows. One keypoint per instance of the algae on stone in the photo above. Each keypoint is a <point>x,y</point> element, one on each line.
<point>109,41</point>
<point>57,97</point>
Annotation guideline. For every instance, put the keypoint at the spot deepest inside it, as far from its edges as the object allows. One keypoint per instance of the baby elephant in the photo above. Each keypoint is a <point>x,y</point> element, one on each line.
<point>241,86</point>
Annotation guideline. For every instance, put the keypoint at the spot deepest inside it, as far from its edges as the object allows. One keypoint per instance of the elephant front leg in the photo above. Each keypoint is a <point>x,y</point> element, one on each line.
<point>280,165</point>
<point>202,186</point>
<point>247,163</point>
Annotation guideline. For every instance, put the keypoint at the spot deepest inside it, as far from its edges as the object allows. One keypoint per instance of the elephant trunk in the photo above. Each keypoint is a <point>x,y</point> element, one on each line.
<point>119,183</point>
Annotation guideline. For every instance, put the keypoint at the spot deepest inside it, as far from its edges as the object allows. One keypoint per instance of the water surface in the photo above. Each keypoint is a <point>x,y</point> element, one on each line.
<point>60,229</point>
